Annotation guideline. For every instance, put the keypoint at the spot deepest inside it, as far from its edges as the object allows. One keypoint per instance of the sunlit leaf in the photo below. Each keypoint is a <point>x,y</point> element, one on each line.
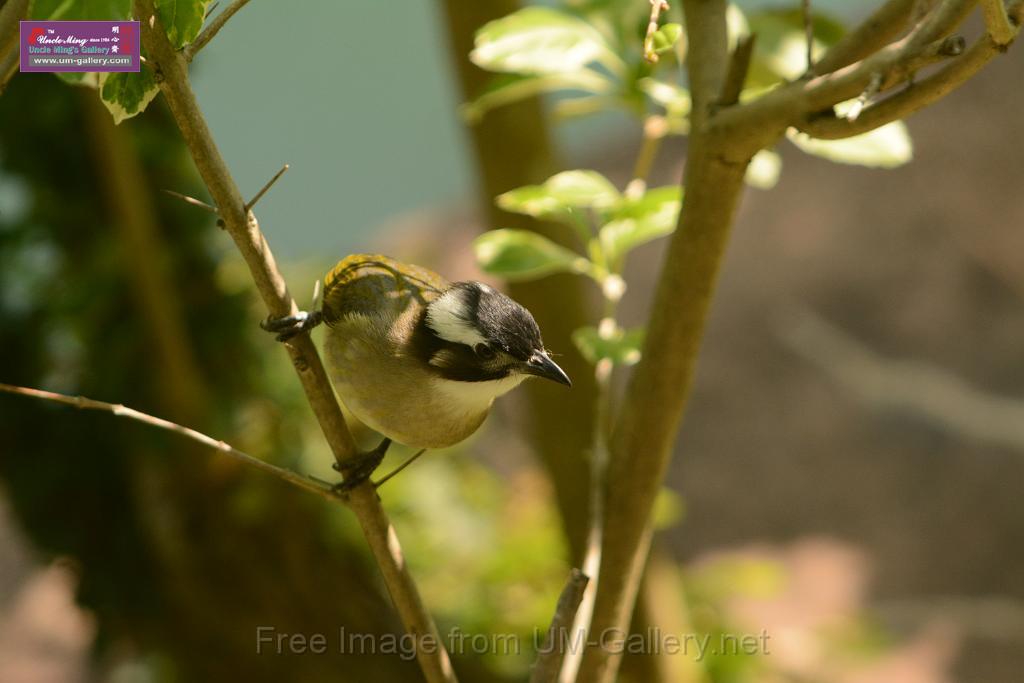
<point>538,40</point>
<point>639,221</point>
<point>182,19</point>
<point>508,88</point>
<point>126,94</point>
<point>525,255</point>
<point>763,171</point>
<point>561,192</point>
<point>621,346</point>
<point>885,147</point>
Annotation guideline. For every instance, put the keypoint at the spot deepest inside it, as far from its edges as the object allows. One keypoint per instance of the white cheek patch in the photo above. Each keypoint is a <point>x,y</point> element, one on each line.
<point>448,317</point>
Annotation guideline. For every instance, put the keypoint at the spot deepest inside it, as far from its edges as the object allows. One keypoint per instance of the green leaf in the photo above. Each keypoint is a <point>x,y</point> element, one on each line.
<point>638,221</point>
<point>666,37</point>
<point>885,147</point>
<point>524,255</point>
<point>621,346</point>
<point>508,88</point>
<point>182,19</point>
<point>763,171</point>
<point>127,94</point>
<point>538,40</point>
<point>560,193</point>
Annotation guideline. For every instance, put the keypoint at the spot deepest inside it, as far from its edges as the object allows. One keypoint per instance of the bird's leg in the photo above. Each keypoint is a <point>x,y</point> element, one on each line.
<point>359,468</point>
<point>380,482</point>
<point>288,326</point>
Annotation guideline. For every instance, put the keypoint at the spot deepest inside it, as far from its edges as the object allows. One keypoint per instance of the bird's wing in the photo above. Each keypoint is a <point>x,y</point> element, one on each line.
<point>369,284</point>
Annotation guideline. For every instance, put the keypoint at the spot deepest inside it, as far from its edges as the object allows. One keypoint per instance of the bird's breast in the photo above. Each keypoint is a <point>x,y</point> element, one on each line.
<point>395,394</point>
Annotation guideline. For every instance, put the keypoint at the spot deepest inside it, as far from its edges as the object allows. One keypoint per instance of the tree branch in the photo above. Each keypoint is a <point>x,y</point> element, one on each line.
<point>997,21</point>
<point>884,25</point>
<point>208,33</point>
<point>642,439</point>
<point>756,124</point>
<point>916,96</point>
<point>548,664</point>
<point>170,69</point>
<point>307,483</point>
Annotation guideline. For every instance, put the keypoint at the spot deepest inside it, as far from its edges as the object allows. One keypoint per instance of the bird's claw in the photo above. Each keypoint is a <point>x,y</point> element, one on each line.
<point>289,326</point>
<point>360,468</point>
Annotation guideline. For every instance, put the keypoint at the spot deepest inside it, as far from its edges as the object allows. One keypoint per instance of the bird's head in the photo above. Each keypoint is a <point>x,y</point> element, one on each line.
<point>474,333</point>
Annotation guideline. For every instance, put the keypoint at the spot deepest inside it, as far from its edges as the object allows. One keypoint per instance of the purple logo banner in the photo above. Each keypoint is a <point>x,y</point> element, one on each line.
<point>79,46</point>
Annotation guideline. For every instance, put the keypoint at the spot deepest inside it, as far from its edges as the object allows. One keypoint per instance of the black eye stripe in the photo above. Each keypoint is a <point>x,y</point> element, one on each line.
<point>484,351</point>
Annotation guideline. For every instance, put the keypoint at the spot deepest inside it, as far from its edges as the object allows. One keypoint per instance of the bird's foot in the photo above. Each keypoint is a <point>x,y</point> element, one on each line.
<point>288,326</point>
<point>360,468</point>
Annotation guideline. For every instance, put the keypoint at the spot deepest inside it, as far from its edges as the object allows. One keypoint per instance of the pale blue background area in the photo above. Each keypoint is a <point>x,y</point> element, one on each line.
<point>357,96</point>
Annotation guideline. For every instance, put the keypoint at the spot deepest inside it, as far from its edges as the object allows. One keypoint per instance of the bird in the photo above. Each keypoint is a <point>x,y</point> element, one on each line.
<point>416,358</point>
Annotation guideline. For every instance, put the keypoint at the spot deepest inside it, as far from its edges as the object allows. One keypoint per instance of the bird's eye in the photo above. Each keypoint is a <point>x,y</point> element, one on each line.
<point>484,352</point>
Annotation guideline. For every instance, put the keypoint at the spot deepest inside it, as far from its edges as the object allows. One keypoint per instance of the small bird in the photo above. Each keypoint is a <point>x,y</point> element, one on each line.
<point>416,358</point>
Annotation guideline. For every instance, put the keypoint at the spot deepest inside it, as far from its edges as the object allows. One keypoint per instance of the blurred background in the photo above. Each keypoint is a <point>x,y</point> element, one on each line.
<point>847,480</point>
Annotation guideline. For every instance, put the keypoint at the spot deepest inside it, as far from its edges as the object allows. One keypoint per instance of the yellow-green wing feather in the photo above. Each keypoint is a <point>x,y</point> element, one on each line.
<point>368,283</point>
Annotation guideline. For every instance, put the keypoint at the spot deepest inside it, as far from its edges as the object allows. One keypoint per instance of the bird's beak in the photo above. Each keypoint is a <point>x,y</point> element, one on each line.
<point>542,366</point>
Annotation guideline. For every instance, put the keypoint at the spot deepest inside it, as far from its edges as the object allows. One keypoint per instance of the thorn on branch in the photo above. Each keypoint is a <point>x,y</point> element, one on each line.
<point>192,200</point>
<point>210,31</point>
<point>739,65</point>
<point>548,664</point>
<point>259,195</point>
<point>657,7</point>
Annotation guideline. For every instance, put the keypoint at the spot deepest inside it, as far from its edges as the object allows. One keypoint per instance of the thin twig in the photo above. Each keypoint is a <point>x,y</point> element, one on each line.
<point>210,31</point>
<point>865,97</point>
<point>303,482</point>
<point>191,200</point>
<point>657,7</point>
<point>997,21</point>
<point>244,230</point>
<point>913,98</point>
<point>263,190</point>
<point>655,130</point>
<point>805,10</point>
<point>758,123</point>
<point>549,662</point>
<point>736,76</point>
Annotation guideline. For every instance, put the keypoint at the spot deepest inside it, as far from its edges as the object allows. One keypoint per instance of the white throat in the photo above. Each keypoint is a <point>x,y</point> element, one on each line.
<point>473,398</point>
